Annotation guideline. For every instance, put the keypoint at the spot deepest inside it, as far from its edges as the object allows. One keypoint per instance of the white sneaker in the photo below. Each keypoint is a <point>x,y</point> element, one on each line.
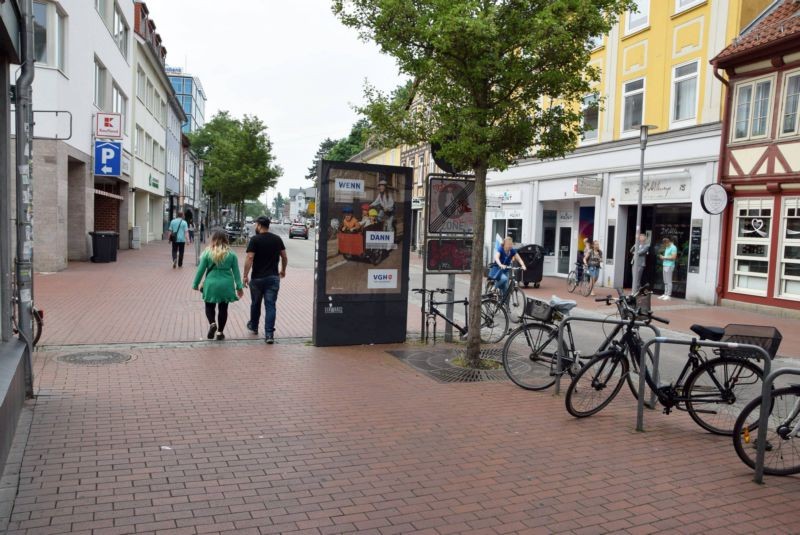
<point>661,297</point>
<point>667,298</point>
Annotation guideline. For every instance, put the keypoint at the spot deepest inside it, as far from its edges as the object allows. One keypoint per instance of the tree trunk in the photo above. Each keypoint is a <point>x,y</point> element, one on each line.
<point>476,276</point>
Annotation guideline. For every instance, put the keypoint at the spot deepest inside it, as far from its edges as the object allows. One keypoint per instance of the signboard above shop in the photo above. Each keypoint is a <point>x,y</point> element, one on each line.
<point>108,125</point>
<point>589,185</point>
<point>667,187</point>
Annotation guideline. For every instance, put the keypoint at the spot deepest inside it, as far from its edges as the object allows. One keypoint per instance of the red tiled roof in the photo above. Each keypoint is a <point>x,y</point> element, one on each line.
<point>782,24</point>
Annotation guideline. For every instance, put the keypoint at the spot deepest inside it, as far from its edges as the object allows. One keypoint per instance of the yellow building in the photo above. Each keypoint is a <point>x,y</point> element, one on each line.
<point>654,70</point>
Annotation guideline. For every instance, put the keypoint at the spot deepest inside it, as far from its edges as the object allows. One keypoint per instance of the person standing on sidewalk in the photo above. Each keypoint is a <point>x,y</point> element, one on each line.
<point>178,236</point>
<point>639,251</point>
<point>222,285</point>
<point>594,260</point>
<point>668,266</point>
<point>263,252</point>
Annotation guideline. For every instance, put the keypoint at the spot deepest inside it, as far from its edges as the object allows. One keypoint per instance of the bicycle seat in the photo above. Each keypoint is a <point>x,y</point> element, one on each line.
<point>708,333</point>
<point>562,305</point>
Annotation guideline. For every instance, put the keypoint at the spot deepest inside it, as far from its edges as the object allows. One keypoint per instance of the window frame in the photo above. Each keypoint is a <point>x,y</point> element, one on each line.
<point>141,83</point>
<point>139,142</point>
<point>748,203</point>
<point>634,131</point>
<point>631,30</point>
<point>752,83</point>
<point>100,84</point>
<point>118,19</point>
<point>673,102</point>
<point>584,107</point>
<point>692,3</point>
<point>784,93</point>
<point>787,203</point>
<point>119,104</point>
<point>149,95</point>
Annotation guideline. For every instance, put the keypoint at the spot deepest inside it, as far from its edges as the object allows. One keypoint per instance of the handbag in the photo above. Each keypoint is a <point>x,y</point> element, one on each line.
<point>495,272</point>
<point>172,234</point>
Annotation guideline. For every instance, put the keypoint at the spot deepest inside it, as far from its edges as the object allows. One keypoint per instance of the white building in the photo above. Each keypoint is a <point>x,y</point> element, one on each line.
<point>174,148</point>
<point>83,53</point>
<point>298,201</point>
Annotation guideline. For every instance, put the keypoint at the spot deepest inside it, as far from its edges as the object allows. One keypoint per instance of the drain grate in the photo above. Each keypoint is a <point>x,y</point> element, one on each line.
<point>95,358</point>
<point>437,365</point>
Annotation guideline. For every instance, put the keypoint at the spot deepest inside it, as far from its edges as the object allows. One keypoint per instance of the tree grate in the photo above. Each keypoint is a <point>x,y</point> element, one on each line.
<point>437,365</point>
<point>95,358</point>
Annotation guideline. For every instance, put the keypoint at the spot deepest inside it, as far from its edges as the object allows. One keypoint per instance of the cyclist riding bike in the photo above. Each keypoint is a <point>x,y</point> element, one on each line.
<point>503,257</point>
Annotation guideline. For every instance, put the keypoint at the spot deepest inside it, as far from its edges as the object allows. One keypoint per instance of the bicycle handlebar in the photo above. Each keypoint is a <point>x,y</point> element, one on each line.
<point>662,320</point>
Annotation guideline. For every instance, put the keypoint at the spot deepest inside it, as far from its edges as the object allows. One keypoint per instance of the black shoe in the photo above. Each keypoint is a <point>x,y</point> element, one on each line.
<point>212,330</point>
<point>251,329</point>
<point>220,336</point>
<point>174,264</point>
<point>270,339</point>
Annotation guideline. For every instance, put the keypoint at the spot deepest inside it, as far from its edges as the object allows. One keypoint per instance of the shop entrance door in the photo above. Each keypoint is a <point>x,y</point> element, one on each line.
<point>658,222</point>
<point>564,250</point>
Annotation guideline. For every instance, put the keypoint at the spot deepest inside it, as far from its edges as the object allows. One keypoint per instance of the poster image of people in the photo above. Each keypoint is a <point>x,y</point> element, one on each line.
<point>365,232</point>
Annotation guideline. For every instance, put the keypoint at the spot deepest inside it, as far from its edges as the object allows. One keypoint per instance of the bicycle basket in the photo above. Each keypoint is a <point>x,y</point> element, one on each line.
<point>758,335</point>
<point>538,310</point>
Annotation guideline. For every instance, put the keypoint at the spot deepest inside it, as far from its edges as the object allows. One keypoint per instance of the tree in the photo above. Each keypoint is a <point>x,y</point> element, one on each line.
<point>340,150</point>
<point>239,163</point>
<point>323,150</point>
<point>255,209</point>
<point>493,81</point>
<point>277,204</point>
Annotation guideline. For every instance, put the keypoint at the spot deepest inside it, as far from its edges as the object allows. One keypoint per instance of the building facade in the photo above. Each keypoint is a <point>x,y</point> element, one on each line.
<point>760,162</point>
<point>653,70</point>
<point>299,199</point>
<point>174,148</point>
<point>192,98</point>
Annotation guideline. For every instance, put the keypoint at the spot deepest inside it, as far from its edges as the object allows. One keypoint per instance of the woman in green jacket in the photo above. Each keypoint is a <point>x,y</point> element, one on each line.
<point>222,284</point>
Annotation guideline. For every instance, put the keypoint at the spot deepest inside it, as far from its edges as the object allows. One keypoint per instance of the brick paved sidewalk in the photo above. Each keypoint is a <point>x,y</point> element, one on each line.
<point>295,439</point>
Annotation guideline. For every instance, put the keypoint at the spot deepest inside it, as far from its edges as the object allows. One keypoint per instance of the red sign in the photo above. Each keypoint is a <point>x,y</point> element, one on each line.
<point>108,125</point>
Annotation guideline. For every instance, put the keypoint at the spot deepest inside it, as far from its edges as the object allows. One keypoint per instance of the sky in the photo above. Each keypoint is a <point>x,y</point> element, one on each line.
<point>290,62</point>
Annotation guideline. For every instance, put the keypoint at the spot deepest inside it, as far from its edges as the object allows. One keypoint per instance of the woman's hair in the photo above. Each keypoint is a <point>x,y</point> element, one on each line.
<point>219,246</point>
<point>508,239</point>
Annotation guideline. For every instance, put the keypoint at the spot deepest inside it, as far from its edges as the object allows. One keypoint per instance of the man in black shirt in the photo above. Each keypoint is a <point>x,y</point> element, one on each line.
<point>263,252</point>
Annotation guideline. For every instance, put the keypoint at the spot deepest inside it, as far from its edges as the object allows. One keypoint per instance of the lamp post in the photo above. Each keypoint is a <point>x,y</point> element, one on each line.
<point>643,133</point>
<point>198,199</point>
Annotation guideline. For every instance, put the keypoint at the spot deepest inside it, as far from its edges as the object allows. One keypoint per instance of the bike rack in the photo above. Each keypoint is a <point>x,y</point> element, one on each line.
<point>570,319</point>
<point>766,401</point>
<point>763,355</point>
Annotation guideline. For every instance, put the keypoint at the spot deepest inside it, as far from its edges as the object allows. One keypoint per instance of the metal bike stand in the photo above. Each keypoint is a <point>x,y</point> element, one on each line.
<point>763,421</point>
<point>762,355</point>
<point>570,319</point>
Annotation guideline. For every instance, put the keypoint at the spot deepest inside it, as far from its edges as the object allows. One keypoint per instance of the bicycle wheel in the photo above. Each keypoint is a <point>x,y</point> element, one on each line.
<point>587,283</point>
<point>572,281</point>
<point>494,321</point>
<point>596,384</point>
<point>717,391</point>
<point>529,356</point>
<point>38,323</point>
<point>782,451</point>
<point>515,305</point>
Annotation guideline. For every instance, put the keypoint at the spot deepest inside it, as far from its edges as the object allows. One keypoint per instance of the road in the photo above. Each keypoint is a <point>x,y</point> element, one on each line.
<point>299,251</point>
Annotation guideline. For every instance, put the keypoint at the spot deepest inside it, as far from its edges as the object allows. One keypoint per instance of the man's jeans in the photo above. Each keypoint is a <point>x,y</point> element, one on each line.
<point>177,252</point>
<point>266,289</point>
<point>668,271</point>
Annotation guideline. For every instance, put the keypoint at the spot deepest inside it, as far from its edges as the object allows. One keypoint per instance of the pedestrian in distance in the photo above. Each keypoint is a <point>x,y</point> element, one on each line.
<point>639,250</point>
<point>668,266</point>
<point>263,252</point>
<point>191,232</point>
<point>178,236</point>
<point>594,260</point>
<point>220,281</point>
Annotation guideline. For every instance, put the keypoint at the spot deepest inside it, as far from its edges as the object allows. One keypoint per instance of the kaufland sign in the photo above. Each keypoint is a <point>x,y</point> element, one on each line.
<point>108,126</point>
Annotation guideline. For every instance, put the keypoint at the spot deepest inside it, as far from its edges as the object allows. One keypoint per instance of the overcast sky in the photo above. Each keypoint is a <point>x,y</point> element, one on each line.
<point>290,62</point>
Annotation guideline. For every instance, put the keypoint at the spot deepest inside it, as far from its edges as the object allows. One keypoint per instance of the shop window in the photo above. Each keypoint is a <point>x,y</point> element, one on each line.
<point>791,105</point>
<point>514,230</point>
<point>612,230</point>
<point>789,284</point>
<point>751,113</point>
<point>633,105</point>
<point>753,222</point>
<point>498,228</point>
<point>549,223</point>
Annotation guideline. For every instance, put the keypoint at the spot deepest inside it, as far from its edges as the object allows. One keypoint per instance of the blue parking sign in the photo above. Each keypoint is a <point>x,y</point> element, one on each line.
<point>107,158</point>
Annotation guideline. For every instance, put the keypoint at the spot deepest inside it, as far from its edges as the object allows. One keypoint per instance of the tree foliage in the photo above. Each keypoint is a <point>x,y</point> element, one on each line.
<point>493,81</point>
<point>277,205</point>
<point>341,150</point>
<point>239,162</point>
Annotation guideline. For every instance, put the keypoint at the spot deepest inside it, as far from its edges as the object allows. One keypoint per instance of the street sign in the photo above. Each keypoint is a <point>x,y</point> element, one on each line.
<point>450,203</point>
<point>494,202</point>
<point>107,158</point>
<point>108,125</point>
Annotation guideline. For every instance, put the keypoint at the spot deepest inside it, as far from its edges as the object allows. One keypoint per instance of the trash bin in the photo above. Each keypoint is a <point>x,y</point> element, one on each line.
<point>533,256</point>
<point>136,237</point>
<point>104,246</point>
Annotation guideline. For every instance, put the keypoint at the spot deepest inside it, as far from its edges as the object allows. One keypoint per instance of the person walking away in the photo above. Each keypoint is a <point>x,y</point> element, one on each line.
<point>639,250</point>
<point>202,232</point>
<point>191,232</point>
<point>263,252</point>
<point>668,266</point>
<point>503,257</point>
<point>220,281</point>
<point>178,235</point>
<point>594,259</point>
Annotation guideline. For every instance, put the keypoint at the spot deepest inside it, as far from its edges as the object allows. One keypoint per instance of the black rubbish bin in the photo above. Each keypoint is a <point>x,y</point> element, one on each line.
<point>104,246</point>
<point>533,256</point>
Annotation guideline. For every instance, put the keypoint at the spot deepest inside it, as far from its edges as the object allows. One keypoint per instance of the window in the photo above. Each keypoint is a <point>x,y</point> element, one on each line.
<point>99,85</point>
<point>148,148</point>
<point>177,84</point>
<point>100,6</point>
<point>120,31</point>
<point>753,221</point>
<point>149,96</point>
<point>514,230</point>
<point>119,104</point>
<point>49,35</point>
<point>140,83</point>
<point>612,232</point>
<point>154,154</point>
<point>61,42</point>
<point>138,149</point>
<point>633,105</point>
<point>791,105</point>
<point>163,108</point>
<point>549,222</point>
<point>789,277</point>
<point>595,42</point>
<point>638,19</point>
<point>752,110</point>
<point>40,32</point>
<point>683,5</point>
<point>591,117</point>
<point>684,92</point>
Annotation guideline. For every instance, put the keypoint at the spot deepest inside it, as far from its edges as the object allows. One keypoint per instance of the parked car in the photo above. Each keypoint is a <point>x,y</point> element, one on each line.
<point>233,230</point>
<point>298,230</point>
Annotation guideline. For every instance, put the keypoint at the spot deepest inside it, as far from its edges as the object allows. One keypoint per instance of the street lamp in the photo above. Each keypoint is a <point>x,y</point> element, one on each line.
<point>198,198</point>
<point>643,134</point>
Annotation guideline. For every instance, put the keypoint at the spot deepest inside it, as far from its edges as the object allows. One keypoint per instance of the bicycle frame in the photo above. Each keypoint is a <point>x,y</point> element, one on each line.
<point>434,311</point>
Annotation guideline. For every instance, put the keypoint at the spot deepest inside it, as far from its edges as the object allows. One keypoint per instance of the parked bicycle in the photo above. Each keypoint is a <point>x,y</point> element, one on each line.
<point>529,354</point>
<point>580,279</point>
<point>711,390</point>
<point>494,318</point>
<point>514,300</point>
